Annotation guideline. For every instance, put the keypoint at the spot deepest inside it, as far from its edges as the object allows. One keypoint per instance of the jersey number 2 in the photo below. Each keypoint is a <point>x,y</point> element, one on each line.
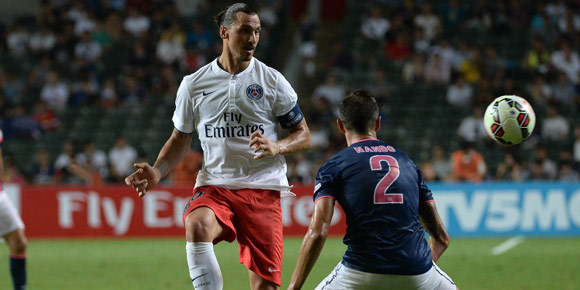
<point>381,196</point>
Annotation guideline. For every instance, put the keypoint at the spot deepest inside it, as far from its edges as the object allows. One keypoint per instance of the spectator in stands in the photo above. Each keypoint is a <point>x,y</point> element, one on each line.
<point>472,68</point>
<point>556,9</point>
<point>121,159</point>
<point>576,147</point>
<point>87,48</point>
<point>85,23</point>
<point>93,160</point>
<point>68,171</point>
<point>133,93</point>
<point>45,117</point>
<point>379,86</point>
<point>331,90</point>
<point>462,53</point>
<point>567,61</point>
<point>11,173</point>
<point>140,57</point>
<point>471,128</point>
<point>55,93</point>
<point>460,94</point>
<point>304,168</point>
<point>566,173</point>
<point>437,71</point>
<point>537,59</point>
<point>446,51</point>
<point>83,93</point>
<point>542,166</point>
<point>536,172</point>
<point>564,91</point>
<point>42,171</point>
<point>421,45</point>
<point>185,173</point>
<point>493,66</point>
<point>171,45</point>
<point>428,171</point>
<point>467,163</point>
<point>42,41</point>
<point>441,164</point>
<point>569,23</point>
<point>453,14</point>
<point>398,50</point>
<point>555,127</point>
<point>18,40</point>
<point>76,11</point>
<point>511,169</point>
<point>375,26</point>
<point>136,23</point>
<point>108,97</point>
<point>12,86</point>
<point>23,125</point>
<point>540,92</point>
<point>319,135</point>
<point>200,37</point>
<point>428,21</point>
<point>339,59</point>
<point>414,69</point>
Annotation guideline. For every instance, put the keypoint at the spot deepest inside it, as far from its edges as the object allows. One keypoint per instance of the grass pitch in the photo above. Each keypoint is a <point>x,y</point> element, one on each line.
<point>536,263</point>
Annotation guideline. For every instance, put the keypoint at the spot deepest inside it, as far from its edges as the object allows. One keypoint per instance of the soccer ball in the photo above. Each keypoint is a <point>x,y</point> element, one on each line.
<point>509,120</point>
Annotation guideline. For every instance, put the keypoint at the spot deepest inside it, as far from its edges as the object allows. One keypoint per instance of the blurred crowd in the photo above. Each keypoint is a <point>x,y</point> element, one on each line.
<point>477,52</point>
<point>123,53</point>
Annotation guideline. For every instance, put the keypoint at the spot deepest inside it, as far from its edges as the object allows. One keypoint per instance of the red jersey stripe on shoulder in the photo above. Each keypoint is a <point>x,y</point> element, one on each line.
<point>362,140</point>
<point>324,196</point>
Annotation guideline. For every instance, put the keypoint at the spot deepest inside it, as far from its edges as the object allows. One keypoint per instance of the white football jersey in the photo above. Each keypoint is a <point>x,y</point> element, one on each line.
<point>225,109</point>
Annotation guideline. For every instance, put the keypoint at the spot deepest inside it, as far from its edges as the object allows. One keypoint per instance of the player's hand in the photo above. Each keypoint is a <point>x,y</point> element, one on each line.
<point>261,143</point>
<point>143,179</point>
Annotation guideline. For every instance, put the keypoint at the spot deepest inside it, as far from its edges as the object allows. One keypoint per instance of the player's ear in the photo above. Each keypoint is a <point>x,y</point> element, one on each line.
<point>378,124</point>
<point>340,126</point>
<point>224,32</point>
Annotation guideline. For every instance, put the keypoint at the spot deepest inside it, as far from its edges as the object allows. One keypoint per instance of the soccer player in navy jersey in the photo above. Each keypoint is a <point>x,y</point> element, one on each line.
<point>387,206</point>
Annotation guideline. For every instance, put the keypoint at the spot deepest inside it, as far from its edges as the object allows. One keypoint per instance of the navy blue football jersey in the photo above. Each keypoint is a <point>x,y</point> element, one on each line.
<point>380,190</point>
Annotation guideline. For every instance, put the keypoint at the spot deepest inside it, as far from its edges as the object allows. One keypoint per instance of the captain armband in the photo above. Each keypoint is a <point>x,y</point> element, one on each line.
<point>292,118</point>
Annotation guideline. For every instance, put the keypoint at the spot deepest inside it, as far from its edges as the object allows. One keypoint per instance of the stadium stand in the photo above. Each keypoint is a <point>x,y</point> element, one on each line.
<point>415,113</point>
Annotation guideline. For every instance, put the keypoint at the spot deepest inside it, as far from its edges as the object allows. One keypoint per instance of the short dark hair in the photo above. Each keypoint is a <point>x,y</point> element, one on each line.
<point>358,111</point>
<point>227,17</point>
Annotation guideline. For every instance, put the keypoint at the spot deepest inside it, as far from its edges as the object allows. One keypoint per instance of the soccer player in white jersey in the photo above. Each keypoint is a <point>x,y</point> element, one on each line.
<point>12,230</point>
<point>236,104</point>
<point>387,205</point>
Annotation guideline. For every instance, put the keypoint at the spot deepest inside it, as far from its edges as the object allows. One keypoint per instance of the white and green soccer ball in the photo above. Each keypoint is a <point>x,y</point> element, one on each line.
<point>509,120</point>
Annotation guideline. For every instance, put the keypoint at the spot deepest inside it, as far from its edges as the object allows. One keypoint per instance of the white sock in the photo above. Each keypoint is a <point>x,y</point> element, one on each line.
<point>204,269</point>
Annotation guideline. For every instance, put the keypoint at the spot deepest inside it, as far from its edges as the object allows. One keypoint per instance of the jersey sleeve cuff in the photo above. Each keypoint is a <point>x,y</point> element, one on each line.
<point>182,127</point>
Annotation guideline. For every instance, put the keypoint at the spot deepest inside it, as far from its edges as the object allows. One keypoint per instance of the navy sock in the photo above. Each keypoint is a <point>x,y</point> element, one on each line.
<point>18,271</point>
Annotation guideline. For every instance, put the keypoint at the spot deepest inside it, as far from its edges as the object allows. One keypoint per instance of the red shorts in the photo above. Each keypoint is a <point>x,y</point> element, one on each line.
<point>254,216</point>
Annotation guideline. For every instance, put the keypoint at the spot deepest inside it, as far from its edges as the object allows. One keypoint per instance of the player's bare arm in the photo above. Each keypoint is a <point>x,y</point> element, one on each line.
<point>147,176</point>
<point>439,240</point>
<point>298,140</point>
<point>313,241</point>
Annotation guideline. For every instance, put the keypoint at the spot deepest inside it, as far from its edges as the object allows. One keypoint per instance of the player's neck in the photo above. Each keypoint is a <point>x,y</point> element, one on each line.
<point>354,137</point>
<point>232,65</point>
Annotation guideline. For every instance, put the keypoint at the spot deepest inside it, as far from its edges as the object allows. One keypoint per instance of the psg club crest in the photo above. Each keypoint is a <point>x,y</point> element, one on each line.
<point>254,92</point>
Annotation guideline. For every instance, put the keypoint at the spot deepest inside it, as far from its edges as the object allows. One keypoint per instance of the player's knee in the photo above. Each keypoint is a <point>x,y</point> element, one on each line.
<point>18,245</point>
<point>200,226</point>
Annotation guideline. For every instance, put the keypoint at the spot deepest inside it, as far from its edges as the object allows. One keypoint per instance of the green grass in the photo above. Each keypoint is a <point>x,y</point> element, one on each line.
<point>539,263</point>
